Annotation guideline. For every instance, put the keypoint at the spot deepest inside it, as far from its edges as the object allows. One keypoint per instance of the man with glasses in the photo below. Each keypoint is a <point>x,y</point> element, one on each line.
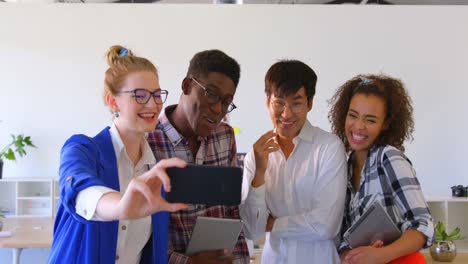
<point>295,175</point>
<point>192,130</point>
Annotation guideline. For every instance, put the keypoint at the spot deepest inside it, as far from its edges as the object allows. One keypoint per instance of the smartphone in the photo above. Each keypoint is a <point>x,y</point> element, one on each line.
<point>203,184</point>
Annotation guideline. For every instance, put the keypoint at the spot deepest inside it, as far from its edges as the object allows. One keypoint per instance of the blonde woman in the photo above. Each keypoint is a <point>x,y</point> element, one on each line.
<point>111,199</point>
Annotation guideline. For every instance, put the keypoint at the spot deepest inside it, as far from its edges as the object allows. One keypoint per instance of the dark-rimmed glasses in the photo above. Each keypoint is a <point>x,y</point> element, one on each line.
<point>142,96</point>
<point>213,98</point>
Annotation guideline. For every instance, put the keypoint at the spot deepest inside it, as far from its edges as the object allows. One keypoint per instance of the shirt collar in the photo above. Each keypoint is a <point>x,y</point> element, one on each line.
<point>147,157</point>
<point>306,133</point>
<point>371,158</point>
<point>172,134</point>
<point>116,141</point>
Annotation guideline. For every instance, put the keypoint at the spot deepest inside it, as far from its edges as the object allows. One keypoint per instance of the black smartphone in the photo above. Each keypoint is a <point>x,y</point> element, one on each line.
<point>203,184</point>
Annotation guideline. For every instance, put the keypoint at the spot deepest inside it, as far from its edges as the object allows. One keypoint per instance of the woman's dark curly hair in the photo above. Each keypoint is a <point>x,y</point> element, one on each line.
<point>397,102</point>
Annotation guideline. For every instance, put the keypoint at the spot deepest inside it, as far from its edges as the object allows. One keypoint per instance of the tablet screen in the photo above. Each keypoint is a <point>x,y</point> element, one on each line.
<point>204,239</point>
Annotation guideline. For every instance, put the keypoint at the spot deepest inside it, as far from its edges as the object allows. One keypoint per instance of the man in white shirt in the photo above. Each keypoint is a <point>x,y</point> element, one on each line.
<point>295,175</point>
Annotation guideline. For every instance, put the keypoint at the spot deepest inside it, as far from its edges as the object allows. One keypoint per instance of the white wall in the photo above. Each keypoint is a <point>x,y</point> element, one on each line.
<point>52,65</point>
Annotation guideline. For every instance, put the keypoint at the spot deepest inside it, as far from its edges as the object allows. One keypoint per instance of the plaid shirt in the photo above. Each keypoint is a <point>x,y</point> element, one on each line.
<point>389,178</point>
<point>219,148</point>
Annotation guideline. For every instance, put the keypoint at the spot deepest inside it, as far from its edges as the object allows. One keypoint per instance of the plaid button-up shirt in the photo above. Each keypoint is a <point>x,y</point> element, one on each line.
<point>389,178</point>
<point>219,148</point>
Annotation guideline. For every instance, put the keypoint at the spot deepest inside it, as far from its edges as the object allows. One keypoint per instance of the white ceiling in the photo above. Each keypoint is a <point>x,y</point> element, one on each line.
<point>398,2</point>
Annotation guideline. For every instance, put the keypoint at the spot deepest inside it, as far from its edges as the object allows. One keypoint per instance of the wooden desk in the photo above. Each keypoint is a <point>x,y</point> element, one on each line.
<point>462,258</point>
<point>28,232</point>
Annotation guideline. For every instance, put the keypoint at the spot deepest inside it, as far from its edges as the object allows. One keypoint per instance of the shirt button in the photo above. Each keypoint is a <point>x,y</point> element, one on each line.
<point>68,178</point>
<point>116,257</point>
<point>124,227</point>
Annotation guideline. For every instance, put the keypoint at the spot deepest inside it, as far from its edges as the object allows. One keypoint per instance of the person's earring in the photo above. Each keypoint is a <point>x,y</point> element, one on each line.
<point>116,114</point>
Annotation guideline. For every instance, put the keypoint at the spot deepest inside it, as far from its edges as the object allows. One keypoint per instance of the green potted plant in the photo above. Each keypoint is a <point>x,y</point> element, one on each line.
<point>444,249</point>
<point>15,147</point>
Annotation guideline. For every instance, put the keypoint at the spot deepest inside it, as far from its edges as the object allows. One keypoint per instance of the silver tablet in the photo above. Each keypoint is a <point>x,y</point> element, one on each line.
<point>375,224</point>
<point>211,233</point>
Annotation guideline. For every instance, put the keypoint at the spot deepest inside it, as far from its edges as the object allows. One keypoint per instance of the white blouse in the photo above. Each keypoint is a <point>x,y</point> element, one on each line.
<point>133,234</point>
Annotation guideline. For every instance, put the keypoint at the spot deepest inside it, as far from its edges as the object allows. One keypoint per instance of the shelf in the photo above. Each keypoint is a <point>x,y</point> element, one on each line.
<point>34,215</point>
<point>438,198</point>
<point>28,197</point>
<point>34,207</point>
<point>56,190</point>
<point>7,202</point>
<point>453,212</point>
<point>33,198</point>
<point>34,188</point>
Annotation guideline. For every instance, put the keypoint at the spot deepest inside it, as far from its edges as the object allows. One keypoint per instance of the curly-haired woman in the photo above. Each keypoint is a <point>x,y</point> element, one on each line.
<point>373,116</point>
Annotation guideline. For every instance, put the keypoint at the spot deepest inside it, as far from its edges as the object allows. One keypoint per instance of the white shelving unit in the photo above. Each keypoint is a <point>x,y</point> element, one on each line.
<point>56,196</point>
<point>28,197</point>
<point>453,212</point>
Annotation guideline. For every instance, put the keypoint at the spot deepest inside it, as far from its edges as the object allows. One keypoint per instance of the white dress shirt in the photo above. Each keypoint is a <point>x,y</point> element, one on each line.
<point>306,195</point>
<point>133,234</point>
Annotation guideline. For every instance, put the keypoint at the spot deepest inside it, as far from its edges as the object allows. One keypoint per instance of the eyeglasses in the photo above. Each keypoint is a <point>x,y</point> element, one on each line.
<point>142,96</point>
<point>295,107</point>
<point>212,98</point>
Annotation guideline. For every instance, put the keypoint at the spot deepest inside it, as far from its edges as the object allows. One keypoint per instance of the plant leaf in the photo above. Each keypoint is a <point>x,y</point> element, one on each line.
<point>454,232</point>
<point>438,228</point>
<point>18,143</point>
<point>457,237</point>
<point>28,142</point>
<point>440,231</point>
<point>10,154</point>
